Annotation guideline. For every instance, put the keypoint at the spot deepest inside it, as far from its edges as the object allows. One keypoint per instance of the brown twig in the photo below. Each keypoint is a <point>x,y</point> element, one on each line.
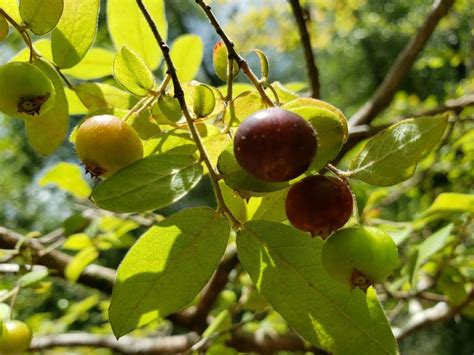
<point>95,276</point>
<point>400,68</point>
<point>439,313</point>
<point>242,63</point>
<point>311,67</point>
<point>179,94</point>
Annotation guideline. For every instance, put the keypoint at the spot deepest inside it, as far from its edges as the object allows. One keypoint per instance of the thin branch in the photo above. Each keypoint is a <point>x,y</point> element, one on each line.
<point>402,65</point>
<point>95,276</point>
<point>439,313</point>
<point>126,344</point>
<point>233,54</point>
<point>311,67</point>
<point>179,94</point>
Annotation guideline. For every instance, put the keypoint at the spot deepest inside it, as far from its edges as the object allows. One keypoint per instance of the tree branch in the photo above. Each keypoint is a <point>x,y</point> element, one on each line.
<point>95,276</point>
<point>439,313</point>
<point>126,344</point>
<point>311,67</point>
<point>400,68</point>
<point>242,63</point>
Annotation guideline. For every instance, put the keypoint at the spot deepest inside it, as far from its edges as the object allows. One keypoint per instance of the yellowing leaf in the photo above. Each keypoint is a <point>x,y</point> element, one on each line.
<point>127,26</point>
<point>68,177</point>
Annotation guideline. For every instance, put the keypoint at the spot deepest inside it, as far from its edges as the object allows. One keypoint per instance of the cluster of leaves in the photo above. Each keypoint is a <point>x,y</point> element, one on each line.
<point>169,265</point>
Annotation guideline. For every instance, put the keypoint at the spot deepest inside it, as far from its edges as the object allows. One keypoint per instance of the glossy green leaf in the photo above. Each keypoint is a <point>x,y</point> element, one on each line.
<point>75,32</point>
<point>187,52</point>
<point>330,133</point>
<point>97,63</point>
<point>150,183</point>
<point>96,95</point>
<point>391,156</point>
<point>220,60</point>
<point>3,28</point>
<point>33,277</point>
<point>239,179</point>
<point>263,63</point>
<point>79,262</point>
<point>426,249</point>
<point>203,100</point>
<point>285,265</point>
<point>41,16</point>
<point>127,26</point>
<point>48,131</point>
<point>130,71</point>
<point>167,267</point>
<point>68,177</point>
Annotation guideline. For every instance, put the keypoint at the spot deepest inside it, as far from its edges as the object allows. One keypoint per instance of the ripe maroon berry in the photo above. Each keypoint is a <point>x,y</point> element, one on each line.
<point>319,204</point>
<point>275,145</point>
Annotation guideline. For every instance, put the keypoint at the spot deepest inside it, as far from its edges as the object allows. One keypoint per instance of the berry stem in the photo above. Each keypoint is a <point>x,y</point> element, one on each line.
<point>179,94</point>
<point>23,34</point>
<point>233,54</point>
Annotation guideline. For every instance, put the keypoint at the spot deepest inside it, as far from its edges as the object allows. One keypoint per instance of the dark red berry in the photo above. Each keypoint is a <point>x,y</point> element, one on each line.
<point>275,145</point>
<point>319,204</point>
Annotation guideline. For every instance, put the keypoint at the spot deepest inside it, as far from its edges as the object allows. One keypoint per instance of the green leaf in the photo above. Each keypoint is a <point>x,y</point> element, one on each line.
<point>239,179</point>
<point>33,277</point>
<point>80,261</point>
<point>284,95</point>
<point>42,46</point>
<point>426,249</point>
<point>97,95</point>
<point>263,64</point>
<point>68,177</point>
<point>127,26</point>
<point>176,141</point>
<point>3,28</point>
<point>270,207</point>
<point>220,60</point>
<point>41,16</point>
<point>75,32</point>
<point>330,133</point>
<point>203,100</point>
<point>48,131</point>
<point>186,53</point>
<point>12,9</point>
<point>130,71</point>
<point>391,156</point>
<point>450,202</point>
<point>285,265</point>
<point>222,322</point>
<point>76,107</point>
<point>96,64</point>
<point>150,183</point>
<point>168,266</point>
<point>243,106</point>
<point>169,107</point>
<point>308,101</point>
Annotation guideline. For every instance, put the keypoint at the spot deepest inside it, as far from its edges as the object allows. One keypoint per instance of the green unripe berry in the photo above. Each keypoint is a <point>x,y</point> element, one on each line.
<point>15,337</point>
<point>25,91</point>
<point>106,144</point>
<point>359,256</point>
